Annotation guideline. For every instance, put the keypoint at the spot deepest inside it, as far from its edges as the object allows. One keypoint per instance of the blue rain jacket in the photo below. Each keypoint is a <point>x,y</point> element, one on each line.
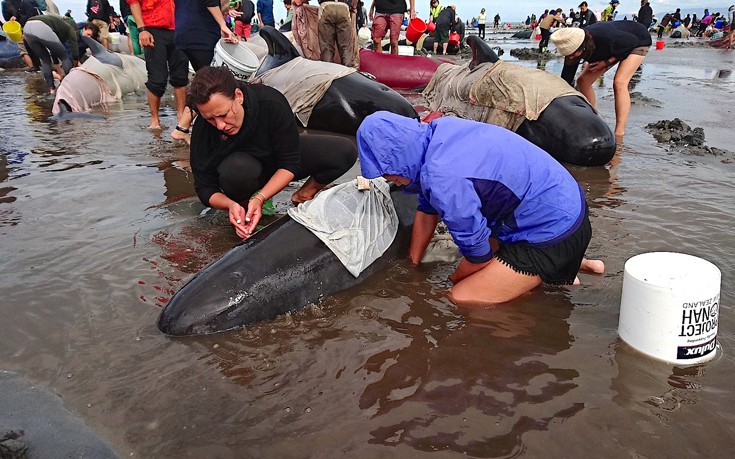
<point>482,180</point>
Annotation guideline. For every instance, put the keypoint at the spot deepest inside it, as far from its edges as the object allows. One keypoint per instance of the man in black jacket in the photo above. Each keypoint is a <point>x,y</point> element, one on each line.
<point>586,16</point>
<point>645,14</point>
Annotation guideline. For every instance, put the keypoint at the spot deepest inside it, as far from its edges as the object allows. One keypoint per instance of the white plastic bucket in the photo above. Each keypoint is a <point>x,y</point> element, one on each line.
<point>364,36</point>
<point>237,57</point>
<point>670,307</point>
<point>404,50</point>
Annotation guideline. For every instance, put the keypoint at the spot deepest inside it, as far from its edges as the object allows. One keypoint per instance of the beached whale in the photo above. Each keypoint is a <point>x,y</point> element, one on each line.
<point>346,102</point>
<point>103,79</point>
<point>282,268</point>
<point>568,128</point>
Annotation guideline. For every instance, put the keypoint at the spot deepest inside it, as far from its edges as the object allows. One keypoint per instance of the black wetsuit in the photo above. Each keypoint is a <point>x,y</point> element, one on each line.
<point>268,140</point>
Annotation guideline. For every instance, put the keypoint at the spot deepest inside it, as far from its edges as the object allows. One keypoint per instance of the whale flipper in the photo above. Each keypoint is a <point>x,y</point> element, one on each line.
<point>280,50</point>
<point>481,52</point>
<point>101,53</point>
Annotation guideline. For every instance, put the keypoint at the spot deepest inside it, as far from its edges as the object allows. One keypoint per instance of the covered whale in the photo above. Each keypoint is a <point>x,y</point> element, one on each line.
<point>346,99</point>
<point>536,104</point>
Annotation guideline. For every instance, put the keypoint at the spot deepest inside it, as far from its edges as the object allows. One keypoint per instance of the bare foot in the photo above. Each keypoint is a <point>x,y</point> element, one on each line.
<point>300,197</point>
<point>178,135</point>
<point>595,266</point>
<point>577,281</point>
<point>154,126</point>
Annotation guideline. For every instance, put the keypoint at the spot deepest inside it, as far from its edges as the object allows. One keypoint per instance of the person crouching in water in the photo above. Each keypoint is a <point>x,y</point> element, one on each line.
<point>519,218</point>
<point>603,45</point>
<point>246,148</point>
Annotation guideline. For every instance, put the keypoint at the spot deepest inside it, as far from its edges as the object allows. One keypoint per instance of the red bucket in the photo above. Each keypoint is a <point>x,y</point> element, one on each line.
<point>430,27</point>
<point>415,28</point>
<point>659,44</point>
<point>454,39</point>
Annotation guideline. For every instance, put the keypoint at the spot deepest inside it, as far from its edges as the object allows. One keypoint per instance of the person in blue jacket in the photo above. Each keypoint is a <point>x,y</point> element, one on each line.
<point>518,217</point>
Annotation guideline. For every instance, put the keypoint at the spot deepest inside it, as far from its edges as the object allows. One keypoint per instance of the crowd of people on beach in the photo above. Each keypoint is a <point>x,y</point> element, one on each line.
<point>515,232</point>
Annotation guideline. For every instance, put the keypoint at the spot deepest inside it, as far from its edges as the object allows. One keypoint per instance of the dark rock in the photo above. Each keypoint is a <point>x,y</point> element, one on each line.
<point>681,137</point>
<point>527,54</point>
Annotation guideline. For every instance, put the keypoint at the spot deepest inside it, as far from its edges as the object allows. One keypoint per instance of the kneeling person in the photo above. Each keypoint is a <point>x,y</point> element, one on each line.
<point>509,194</point>
<point>246,147</point>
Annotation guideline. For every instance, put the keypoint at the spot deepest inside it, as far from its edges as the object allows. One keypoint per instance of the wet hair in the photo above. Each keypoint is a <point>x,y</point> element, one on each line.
<point>211,80</point>
<point>93,27</point>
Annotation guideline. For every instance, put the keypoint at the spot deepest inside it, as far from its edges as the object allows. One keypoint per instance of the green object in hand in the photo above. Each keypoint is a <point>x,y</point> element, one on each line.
<point>234,3</point>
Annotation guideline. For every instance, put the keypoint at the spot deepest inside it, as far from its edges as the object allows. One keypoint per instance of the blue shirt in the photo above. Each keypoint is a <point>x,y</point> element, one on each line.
<point>265,8</point>
<point>195,25</point>
<point>482,180</point>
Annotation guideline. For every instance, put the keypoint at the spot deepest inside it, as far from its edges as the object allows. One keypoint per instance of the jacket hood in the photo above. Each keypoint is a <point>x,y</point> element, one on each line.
<point>392,144</point>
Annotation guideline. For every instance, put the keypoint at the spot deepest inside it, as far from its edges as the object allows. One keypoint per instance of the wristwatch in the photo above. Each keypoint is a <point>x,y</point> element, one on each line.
<point>141,29</point>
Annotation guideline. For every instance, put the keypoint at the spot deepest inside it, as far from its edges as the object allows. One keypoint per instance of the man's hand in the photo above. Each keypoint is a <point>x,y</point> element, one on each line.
<point>146,39</point>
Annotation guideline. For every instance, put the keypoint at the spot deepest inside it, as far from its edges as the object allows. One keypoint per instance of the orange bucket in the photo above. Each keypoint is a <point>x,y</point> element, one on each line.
<point>659,44</point>
<point>454,39</point>
<point>415,28</point>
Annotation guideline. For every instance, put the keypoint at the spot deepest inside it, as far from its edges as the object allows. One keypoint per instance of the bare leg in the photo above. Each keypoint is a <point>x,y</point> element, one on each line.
<point>444,48</point>
<point>394,47</point>
<point>495,283</point>
<point>626,69</point>
<point>27,60</point>
<point>180,101</point>
<point>307,191</point>
<point>584,84</point>
<point>377,46</point>
<point>154,103</point>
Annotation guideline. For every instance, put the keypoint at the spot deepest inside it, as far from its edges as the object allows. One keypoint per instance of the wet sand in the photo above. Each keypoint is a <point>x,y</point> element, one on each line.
<point>99,225</point>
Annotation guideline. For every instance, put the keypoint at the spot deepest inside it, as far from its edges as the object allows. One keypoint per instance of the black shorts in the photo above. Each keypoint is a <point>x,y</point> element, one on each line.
<point>165,62</point>
<point>557,264</point>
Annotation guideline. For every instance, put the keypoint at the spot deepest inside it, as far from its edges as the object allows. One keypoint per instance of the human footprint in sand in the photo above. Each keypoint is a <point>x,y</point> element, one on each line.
<point>246,148</point>
<point>519,218</point>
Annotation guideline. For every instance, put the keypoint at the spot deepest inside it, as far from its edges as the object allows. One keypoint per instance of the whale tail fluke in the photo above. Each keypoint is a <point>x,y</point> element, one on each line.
<point>101,53</point>
<point>481,52</point>
<point>280,49</point>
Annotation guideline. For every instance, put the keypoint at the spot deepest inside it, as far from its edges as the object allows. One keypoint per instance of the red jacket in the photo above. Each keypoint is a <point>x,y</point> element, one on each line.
<point>157,13</point>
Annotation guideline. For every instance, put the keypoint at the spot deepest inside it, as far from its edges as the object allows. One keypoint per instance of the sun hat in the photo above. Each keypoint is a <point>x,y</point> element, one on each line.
<point>567,40</point>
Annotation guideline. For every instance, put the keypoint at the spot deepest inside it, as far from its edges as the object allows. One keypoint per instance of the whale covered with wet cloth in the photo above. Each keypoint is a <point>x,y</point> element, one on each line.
<point>103,79</point>
<point>537,105</point>
<point>282,268</point>
<point>324,96</point>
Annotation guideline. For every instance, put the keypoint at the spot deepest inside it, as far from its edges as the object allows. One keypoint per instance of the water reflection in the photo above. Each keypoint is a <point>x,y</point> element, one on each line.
<point>645,384</point>
<point>471,381</point>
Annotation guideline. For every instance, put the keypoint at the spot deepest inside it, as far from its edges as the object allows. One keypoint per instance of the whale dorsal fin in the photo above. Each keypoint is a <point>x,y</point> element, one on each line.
<point>481,52</point>
<point>280,49</point>
<point>101,53</point>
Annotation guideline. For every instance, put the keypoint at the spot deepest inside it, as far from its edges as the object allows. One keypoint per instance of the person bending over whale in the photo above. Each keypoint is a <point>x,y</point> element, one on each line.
<point>601,46</point>
<point>519,218</point>
<point>246,147</point>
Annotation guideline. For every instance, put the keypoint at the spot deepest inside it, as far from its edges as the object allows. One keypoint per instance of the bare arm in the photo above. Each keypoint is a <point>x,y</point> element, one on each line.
<point>226,32</point>
<point>144,37</point>
<point>424,226</point>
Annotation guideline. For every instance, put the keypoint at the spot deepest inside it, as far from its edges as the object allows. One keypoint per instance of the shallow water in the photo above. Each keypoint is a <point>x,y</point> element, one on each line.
<point>99,225</point>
